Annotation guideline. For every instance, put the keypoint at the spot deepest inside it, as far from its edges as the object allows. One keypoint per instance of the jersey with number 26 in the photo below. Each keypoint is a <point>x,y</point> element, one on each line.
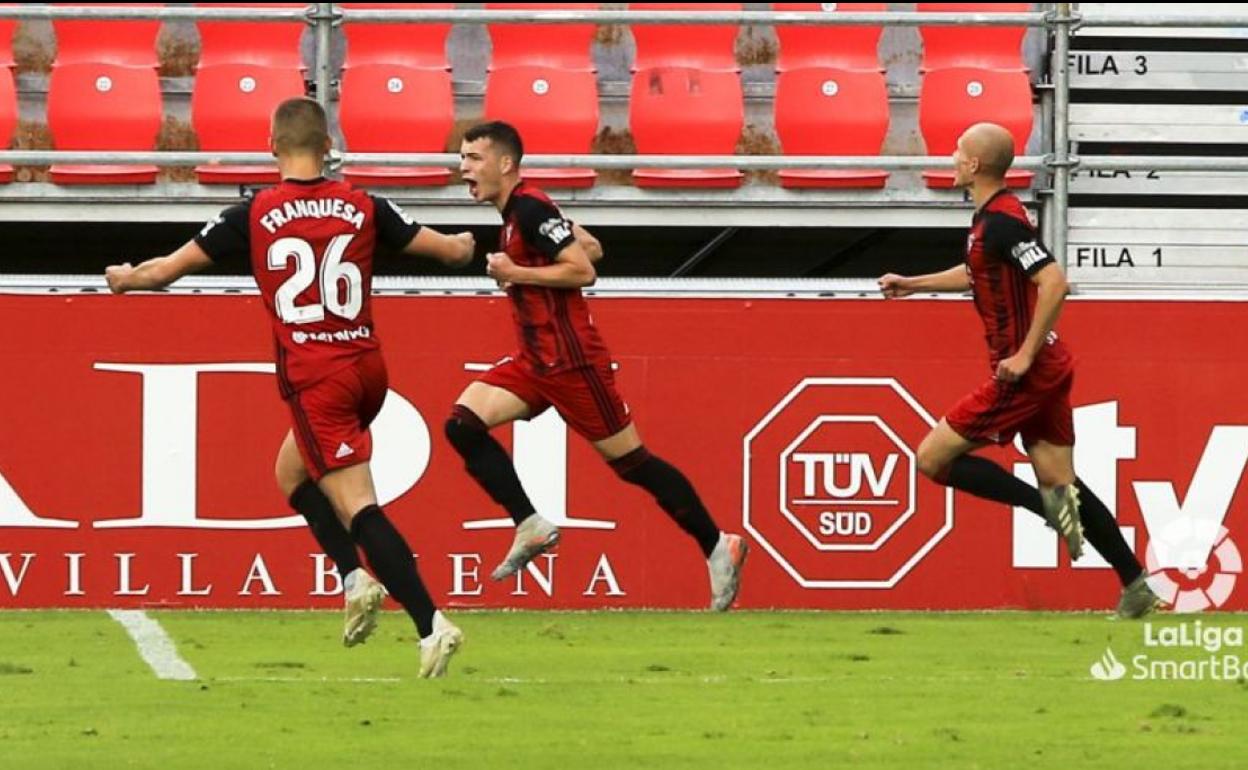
<point>311,246</point>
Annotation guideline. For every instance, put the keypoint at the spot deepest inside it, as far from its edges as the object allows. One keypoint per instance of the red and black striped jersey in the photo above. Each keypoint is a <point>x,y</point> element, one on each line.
<point>310,245</point>
<point>554,329</point>
<point>1003,252</point>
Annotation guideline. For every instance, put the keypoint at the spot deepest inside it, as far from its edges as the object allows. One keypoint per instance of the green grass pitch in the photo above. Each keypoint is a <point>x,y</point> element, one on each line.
<point>607,690</point>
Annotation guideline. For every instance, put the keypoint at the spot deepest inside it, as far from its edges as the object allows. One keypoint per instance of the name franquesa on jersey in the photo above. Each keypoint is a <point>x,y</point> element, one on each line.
<point>314,208</point>
<point>310,244</point>
<point>282,214</point>
<point>323,208</point>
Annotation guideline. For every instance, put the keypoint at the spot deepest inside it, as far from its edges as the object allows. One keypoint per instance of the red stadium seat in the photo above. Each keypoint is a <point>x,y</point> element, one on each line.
<point>821,111</point>
<point>389,108</point>
<point>8,93</point>
<point>556,112</point>
<point>680,111</point>
<point>566,46</point>
<point>699,46</point>
<point>267,43</point>
<point>7,28</point>
<point>951,100</point>
<point>840,47</point>
<point>231,108</point>
<point>125,42</point>
<point>104,107</point>
<point>419,46</point>
<point>992,48</point>
<point>8,118</point>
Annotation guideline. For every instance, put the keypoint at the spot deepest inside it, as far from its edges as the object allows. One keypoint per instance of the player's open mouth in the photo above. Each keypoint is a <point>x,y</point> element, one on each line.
<point>472,187</point>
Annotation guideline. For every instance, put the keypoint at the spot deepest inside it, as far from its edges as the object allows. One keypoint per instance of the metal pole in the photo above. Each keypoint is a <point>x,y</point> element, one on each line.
<point>324,21</point>
<point>379,16</point>
<point>1045,191</point>
<point>694,16</point>
<point>112,12</point>
<point>1061,129</point>
<point>450,160</point>
<point>629,162</point>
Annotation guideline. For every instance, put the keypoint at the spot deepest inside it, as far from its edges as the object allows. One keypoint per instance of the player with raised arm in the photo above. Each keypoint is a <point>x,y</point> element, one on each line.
<point>543,262</point>
<point>1019,290</point>
<point>310,243</point>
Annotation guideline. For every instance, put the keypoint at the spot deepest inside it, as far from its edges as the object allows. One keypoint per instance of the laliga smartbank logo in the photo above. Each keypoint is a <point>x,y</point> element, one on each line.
<point>1193,564</point>
<point>1108,668</point>
<point>1193,652</point>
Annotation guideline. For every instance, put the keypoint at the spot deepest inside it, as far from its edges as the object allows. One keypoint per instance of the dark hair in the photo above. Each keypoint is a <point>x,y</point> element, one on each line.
<point>299,125</point>
<point>503,135</point>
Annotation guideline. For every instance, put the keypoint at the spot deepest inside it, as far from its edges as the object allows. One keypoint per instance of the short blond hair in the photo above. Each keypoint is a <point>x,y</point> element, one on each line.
<point>300,125</point>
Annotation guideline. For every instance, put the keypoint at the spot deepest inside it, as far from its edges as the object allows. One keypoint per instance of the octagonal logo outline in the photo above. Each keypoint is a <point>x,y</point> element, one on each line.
<point>892,436</point>
<point>774,552</point>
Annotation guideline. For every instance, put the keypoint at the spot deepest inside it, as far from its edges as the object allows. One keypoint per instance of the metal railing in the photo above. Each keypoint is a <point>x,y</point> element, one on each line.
<point>323,17</point>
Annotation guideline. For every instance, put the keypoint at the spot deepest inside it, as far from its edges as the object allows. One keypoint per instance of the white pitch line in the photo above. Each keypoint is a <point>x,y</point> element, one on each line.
<point>155,646</point>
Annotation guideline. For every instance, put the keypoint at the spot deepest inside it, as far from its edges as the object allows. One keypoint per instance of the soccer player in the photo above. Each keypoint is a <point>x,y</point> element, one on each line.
<point>542,263</point>
<point>1019,290</point>
<point>310,244</point>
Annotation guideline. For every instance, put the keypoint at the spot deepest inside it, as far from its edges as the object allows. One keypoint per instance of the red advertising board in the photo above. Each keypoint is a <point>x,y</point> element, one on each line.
<point>137,439</point>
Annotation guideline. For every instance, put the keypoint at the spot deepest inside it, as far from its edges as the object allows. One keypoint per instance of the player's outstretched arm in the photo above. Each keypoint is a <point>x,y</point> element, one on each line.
<point>954,279</point>
<point>572,270</point>
<point>1051,291</point>
<point>451,250</point>
<point>593,249</point>
<point>159,272</point>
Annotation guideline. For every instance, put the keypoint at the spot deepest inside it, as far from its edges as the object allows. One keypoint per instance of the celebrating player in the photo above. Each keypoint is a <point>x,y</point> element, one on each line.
<point>310,244</point>
<point>542,263</point>
<point>1019,290</point>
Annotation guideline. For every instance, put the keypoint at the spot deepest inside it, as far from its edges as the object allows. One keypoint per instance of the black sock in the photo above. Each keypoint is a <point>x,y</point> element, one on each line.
<point>673,492</point>
<point>984,478</point>
<point>487,462</point>
<point>1101,530</point>
<point>391,558</point>
<point>335,541</point>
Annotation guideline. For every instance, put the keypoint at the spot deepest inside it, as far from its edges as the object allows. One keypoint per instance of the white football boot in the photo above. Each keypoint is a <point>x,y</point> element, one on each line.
<point>363,603</point>
<point>437,649</point>
<point>725,567</point>
<point>534,536</point>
